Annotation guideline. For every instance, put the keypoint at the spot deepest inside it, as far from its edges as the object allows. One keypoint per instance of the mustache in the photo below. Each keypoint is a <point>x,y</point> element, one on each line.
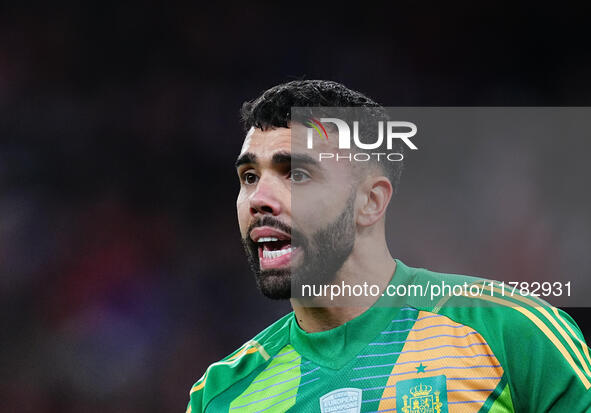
<point>269,221</point>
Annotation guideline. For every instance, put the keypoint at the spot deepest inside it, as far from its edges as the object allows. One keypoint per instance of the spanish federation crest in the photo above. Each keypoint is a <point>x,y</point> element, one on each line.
<point>347,400</point>
<point>423,395</point>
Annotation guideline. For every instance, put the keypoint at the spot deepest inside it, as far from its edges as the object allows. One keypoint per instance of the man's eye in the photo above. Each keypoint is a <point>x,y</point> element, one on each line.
<point>298,176</point>
<point>249,178</point>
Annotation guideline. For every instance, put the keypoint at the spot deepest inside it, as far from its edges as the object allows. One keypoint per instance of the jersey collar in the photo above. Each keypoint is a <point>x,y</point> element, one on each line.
<point>334,348</point>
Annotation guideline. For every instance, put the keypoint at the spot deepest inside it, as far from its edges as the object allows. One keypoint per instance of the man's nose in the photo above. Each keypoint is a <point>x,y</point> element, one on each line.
<point>266,198</point>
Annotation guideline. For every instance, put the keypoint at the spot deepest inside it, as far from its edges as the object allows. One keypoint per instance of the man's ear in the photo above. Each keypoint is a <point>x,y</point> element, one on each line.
<point>376,194</point>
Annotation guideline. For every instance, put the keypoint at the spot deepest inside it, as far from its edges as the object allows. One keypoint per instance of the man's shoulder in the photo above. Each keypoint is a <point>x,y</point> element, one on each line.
<point>517,324</point>
<point>222,374</point>
<point>497,310</point>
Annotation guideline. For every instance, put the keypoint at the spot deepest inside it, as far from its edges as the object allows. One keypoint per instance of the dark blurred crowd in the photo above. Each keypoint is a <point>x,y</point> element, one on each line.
<point>122,273</point>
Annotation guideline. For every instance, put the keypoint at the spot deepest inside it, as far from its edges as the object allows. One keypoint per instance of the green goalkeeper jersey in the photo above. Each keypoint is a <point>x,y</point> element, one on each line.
<point>491,352</point>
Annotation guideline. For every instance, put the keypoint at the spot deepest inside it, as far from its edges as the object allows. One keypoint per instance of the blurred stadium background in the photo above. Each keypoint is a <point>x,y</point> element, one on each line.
<point>122,274</point>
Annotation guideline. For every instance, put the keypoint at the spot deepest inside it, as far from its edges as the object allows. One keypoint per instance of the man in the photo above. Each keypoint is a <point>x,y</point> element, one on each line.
<point>303,221</point>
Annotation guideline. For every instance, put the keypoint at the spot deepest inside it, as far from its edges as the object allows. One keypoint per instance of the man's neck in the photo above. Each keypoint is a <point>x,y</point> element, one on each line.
<point>324,313</point>
<point>316,319</point>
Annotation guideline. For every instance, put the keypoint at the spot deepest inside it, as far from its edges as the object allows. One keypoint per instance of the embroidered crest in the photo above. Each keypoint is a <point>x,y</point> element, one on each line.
<point>423,395</point>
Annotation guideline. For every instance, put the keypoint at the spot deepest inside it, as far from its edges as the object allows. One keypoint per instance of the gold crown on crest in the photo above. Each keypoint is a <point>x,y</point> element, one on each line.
<point>421,390</point>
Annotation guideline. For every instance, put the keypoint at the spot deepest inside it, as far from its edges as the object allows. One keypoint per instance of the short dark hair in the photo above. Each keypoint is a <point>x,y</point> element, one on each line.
<point>272,109</point>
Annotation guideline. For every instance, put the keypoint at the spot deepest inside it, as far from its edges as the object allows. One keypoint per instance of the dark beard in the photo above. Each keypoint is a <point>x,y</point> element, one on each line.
<point>323,255</point>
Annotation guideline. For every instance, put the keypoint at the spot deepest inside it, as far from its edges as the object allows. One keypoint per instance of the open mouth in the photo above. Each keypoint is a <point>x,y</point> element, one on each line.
<point>274,248</point>
<point>270,247</point>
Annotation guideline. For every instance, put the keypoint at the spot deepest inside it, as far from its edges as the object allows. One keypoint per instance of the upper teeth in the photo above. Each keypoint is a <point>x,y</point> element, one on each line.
<point>267,239</point>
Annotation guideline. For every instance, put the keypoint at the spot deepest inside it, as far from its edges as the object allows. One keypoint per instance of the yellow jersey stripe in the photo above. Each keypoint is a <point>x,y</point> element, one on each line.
<point>484,366</point>
<point>567,325</point>
<point>199,385</point>
<point>235,358</point>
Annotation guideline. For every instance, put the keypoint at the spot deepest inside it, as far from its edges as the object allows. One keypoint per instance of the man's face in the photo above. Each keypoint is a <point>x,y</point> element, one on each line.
<point>296,215</point>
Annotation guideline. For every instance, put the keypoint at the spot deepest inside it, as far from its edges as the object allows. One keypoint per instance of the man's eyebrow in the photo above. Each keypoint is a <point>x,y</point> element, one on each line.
<point>298,158</point>
<point>278,158</point>
<point>246,158</point>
